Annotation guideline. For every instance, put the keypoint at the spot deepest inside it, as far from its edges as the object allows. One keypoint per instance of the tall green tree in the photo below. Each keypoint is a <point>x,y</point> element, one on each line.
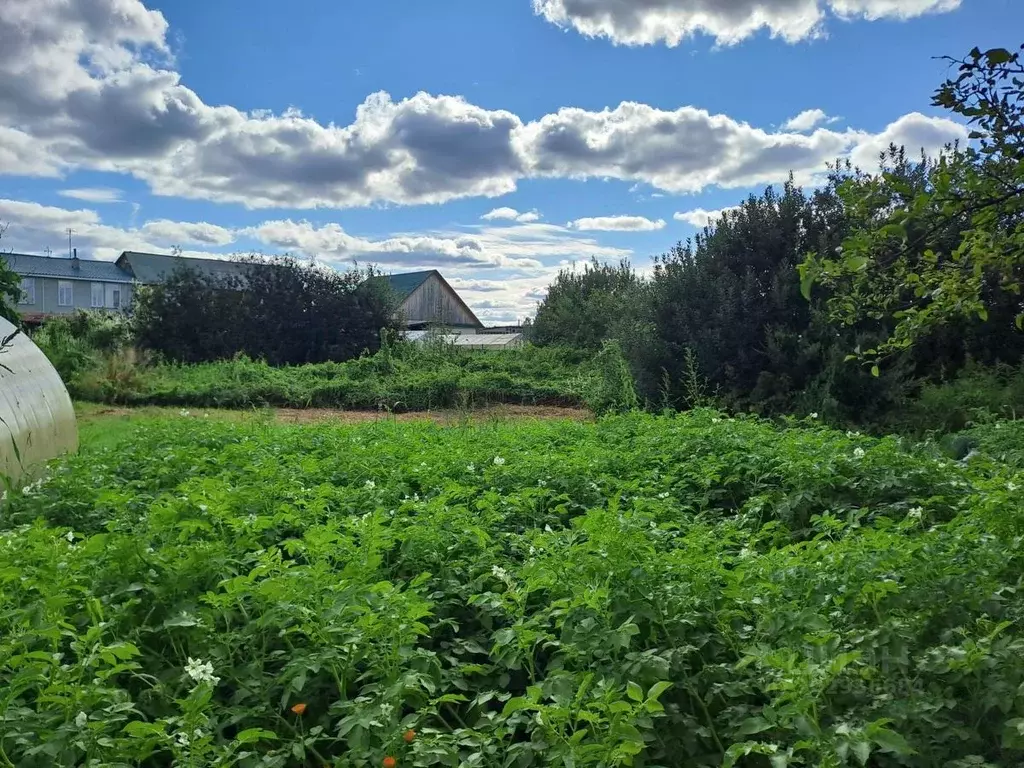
<point>947,246</point>
<point>584,307</point>
<point>731,296</point>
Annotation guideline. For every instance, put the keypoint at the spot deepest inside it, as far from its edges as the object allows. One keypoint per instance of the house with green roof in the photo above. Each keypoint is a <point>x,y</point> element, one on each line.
<point>427,300</point>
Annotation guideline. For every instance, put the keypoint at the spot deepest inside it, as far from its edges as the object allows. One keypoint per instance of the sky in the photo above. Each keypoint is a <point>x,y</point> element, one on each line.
<point>496,141</point>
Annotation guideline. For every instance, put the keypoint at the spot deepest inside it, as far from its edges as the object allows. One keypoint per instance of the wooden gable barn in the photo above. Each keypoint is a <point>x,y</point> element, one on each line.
<point>427,300</point>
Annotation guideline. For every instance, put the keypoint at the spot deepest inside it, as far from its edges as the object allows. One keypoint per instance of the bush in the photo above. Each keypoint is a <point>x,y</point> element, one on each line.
<point>976,395</point>
<point>77,343</point>
<point>402,377</point>
<point>276,310</point>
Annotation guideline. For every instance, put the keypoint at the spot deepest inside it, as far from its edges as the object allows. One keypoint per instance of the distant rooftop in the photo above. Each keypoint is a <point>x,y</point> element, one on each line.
<point>405,283</point>
<point>151,268</point>
<point>64,268</point>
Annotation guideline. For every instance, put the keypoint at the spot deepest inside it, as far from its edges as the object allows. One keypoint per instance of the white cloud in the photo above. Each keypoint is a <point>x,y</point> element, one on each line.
<point>91,84</point>
<point>23,155</point>
<point>34,227</point>
<point>683,150</point>
<point>647,22</point>
<point>807,120</point>
<point>914,131</point>
<point>872,10</point>
<point>94,194</point>
<point>617,224</point>
<point>511,214</point>
<point>178,232</point>
<point>700,218</point>
<point>519,247</point>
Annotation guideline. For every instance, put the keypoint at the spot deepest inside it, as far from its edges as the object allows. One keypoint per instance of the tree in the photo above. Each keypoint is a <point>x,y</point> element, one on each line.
<point>10,288</point>
<point>731,297</point>
<point>583,308</point>
<point>277,310</point>
<point>945,246</point>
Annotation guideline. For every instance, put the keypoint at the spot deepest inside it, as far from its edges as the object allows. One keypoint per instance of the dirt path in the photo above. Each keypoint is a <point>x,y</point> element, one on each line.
<point>490,413</point>
<point>95,412</point>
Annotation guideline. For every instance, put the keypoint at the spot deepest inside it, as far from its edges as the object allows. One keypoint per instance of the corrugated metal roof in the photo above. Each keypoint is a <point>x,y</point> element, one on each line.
<point>150,268</point>
<point>28,265</point>
<point>405,283</point>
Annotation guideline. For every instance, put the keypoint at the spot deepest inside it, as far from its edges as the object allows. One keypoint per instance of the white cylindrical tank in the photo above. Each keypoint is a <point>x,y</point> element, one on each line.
<point>37,420</point>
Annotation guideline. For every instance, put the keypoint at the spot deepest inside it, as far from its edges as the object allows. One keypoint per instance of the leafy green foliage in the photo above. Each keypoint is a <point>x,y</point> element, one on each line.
<point>400,377</point>
<point>584,308</point>
<point>644,591</point>
<point>80,342</point>
<point>279,310</point>
<point>10,290</point>
<point>948,245</point>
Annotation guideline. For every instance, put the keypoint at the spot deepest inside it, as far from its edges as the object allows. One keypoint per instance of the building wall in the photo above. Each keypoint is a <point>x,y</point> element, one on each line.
<point>47,295</point>
<point>434,302</point>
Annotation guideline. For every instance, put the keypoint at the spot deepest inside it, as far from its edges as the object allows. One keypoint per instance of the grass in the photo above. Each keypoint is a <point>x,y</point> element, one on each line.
<point>640,590</point>
<point>400,379</point>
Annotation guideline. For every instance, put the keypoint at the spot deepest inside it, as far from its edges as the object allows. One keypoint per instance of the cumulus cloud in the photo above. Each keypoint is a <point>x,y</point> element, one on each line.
<point>91,84</point>
<point>647,22</point>
<point>520,247</point>
<point>914,131</point>
<point>682,150</point>
<point>511,214</point>
<point>617,224</point>
<point>34,227</point>
<point>93,194</point>
<point>700,218</point>
<point>807,120</point>
<point>178,232</point>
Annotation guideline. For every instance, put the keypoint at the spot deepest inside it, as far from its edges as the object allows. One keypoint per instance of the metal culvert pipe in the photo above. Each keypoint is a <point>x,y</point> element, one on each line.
<point>37,420</point>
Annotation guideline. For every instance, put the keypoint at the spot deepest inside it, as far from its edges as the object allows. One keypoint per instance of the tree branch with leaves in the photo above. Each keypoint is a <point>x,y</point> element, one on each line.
<point>951,248</point>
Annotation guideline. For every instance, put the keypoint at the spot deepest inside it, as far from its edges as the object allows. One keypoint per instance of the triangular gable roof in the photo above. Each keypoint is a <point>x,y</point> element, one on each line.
<point>405,283</point>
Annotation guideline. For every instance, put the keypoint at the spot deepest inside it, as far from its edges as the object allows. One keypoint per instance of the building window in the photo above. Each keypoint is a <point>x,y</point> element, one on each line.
<point>97,295</point>
<point>114,297</point>
<point>28,290</point>
<point>65,293</point>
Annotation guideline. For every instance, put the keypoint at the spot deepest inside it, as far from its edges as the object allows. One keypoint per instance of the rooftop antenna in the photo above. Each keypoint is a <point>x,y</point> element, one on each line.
<point>48,251</point>
<point>70,232</point>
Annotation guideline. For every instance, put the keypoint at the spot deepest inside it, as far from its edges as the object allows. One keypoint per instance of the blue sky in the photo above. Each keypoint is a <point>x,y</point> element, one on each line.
<point>494,141</point>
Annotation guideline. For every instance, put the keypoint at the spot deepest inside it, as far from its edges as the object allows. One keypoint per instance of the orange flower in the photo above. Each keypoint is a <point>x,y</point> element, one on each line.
<point>299,708</point>
<point>409,736</point>
<point>390,762</point>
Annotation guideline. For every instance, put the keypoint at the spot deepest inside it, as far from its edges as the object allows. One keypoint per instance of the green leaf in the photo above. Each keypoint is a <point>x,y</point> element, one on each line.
<point>657,689</point>
<point>875,371</point>
<point>634,691</point>
<point>808,274</point>
<point>862,750</point>
<point>890,741</point>
<point>515,704</point>
<point>996,56</point>
<point>983,314</point>
<point>753,725</point>
<point>141,730</point>
<point>252,735</point>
